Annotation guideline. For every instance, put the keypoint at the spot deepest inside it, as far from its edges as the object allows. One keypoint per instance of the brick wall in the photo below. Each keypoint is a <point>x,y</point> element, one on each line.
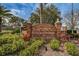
<point>46,31</point>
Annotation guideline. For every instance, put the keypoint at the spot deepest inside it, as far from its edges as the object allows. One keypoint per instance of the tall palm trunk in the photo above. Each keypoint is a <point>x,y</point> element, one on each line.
<point>72,19</point>
<point>0,24</point>
<point>41,9</point>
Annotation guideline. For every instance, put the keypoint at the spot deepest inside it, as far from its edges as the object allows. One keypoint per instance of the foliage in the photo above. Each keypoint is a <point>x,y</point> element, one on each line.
<point>74,34</point>
<point>7,49</point>
<point>16,19</point>
<point>34,39</point>
<point>16,30</point>
<point>1,33</point>
<point>70,31</point>
<point>3,13</point>
<point>71,48</point>
<point>49,14</point>
<point>71,20</point>
<point>32,49</point>
<point>10,44</point>
<point>55,44</point>
<point>8,38</point>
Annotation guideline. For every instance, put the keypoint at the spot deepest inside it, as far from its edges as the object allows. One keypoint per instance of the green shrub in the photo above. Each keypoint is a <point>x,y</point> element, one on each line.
<point>8,38</point>
<point>71,48</point>
<point>32,49</point>
<point>7,49</point>
<point>1,33</point>
<point>2,51</point>
<point>70,31</point>
<point>20,44</point>
<point>55,44</point>
<point>10,44</point>
<point>34,39</point>
<point>25,52</point>
<point>17,30</point>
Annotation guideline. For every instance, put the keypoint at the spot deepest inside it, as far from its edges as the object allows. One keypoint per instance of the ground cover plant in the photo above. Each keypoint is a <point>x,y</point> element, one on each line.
<point>12,44</point>
<point>54,44</point>
<point>71,48</point>
<point>32,49</point>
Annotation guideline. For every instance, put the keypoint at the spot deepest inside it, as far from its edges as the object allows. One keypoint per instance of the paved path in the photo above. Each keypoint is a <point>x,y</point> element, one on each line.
<point>50,52</point>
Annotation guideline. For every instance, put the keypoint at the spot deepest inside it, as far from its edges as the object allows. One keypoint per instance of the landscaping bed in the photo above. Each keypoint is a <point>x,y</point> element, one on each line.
<point>14,45</point>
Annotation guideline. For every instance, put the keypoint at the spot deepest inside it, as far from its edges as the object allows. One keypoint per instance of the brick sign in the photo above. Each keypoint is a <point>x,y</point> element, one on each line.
<point>46,31</point>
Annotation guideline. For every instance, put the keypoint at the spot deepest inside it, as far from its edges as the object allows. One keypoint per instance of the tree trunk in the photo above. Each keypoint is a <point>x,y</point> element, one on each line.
<point>41,9</point>
<point>72,18</point>
<point>0,24</point>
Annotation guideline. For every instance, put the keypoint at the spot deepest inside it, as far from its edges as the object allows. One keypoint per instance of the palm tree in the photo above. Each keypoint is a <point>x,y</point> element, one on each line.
<point>34,17</point>
<point>16,22</point>
<point>41,10</point>
<point>53,13</point>
<point>16,19</point>
<point>3,13</point>
<point>45,14</point>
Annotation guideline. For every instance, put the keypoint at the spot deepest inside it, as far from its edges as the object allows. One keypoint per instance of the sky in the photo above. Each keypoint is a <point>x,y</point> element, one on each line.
<point>24,10</point>
<point>20,9</point>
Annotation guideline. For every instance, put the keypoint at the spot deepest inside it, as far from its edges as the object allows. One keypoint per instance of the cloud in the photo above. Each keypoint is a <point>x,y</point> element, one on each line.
<point>15,11</point>
<point>22,10</point>
<point>21,13</point>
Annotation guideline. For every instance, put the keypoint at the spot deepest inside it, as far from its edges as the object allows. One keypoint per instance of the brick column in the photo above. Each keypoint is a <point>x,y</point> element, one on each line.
<point>27,31</point>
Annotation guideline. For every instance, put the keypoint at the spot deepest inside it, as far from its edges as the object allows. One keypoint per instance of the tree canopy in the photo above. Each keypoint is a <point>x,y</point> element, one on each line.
<point>68,19</point>
<point>49,14</point>
<point>3,13</point>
